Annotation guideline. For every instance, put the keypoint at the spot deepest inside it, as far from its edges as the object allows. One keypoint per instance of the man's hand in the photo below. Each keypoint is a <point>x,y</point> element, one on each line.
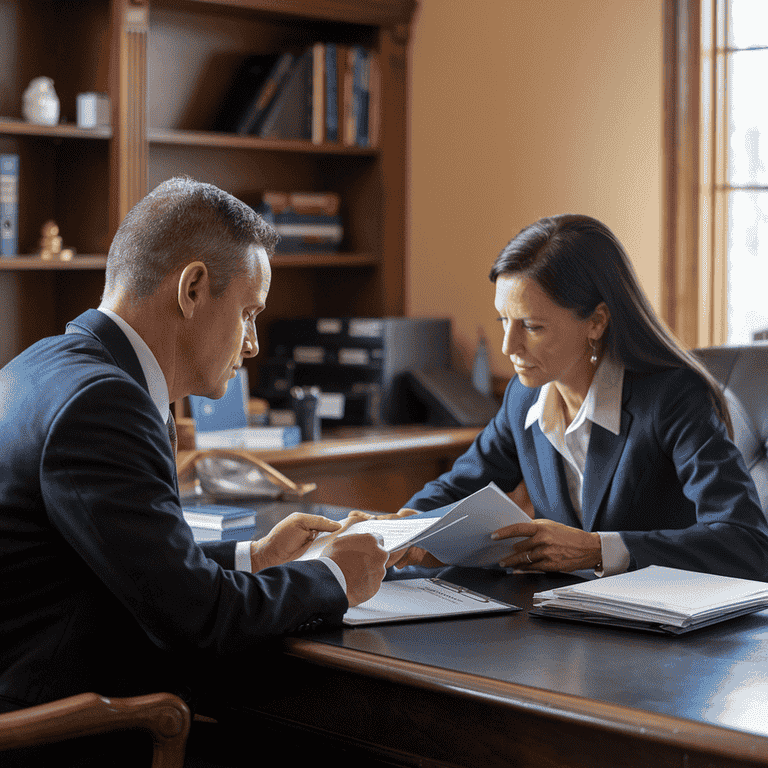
<point>289,539</point>
<point>362,560</point>
<point>550,546</point>
<point>413,556</point>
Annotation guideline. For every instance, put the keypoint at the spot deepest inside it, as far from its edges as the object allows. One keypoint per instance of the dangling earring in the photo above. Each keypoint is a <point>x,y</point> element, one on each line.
<point>593,359</point>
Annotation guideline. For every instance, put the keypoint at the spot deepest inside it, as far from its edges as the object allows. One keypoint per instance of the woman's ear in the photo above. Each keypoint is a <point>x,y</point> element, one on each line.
<point>600,318</point>
<point>193,287</point>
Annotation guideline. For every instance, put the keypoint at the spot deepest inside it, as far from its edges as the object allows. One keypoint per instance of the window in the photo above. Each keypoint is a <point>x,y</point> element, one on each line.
<point>716,149</point>
<point>735,164</point>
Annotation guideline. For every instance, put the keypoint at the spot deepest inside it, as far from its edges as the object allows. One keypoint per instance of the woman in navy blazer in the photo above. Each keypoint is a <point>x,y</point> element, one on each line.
<point>621,438</point>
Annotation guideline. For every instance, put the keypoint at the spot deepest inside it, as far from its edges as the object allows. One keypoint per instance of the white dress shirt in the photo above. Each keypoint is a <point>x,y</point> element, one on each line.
<point>158,391</point>
<point>601,406</point>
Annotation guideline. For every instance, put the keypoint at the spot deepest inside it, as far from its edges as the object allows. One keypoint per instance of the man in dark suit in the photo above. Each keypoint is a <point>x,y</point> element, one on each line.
<point>103,588</point>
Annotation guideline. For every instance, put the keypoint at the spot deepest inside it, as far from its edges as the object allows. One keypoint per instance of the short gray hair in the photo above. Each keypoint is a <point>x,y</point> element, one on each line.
<point>180,221</point>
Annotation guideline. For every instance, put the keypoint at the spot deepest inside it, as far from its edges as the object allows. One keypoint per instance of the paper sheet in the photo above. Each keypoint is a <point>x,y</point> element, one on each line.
<point>461,535</point>
<point>410,599</point>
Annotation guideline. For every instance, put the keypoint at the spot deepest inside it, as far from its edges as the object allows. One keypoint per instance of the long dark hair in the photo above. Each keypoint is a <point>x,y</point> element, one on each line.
<point>579,262</point>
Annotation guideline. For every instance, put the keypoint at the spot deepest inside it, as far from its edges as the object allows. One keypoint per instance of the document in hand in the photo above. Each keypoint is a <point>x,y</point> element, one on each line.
<point>654,598</point>
<point>456,534</point>
<point>411,599</point>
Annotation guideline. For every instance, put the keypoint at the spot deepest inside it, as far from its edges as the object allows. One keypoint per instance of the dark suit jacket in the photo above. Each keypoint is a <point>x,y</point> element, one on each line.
<point>103,587</point>
<point>672,482</point>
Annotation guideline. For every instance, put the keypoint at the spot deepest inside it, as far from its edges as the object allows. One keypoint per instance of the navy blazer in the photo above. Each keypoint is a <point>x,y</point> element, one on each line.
<point>672,482</point>
<point>103,588</point>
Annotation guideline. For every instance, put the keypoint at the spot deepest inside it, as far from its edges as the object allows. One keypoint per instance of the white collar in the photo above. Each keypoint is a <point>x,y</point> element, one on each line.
<point>602,404</point>
<point>158,387</point>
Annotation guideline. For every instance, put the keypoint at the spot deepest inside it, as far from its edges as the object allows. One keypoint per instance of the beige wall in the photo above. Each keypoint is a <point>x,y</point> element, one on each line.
<point>522,109</point>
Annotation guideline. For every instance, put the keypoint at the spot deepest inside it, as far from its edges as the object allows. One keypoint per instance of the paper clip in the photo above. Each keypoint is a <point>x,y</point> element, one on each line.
<point>461,590</point>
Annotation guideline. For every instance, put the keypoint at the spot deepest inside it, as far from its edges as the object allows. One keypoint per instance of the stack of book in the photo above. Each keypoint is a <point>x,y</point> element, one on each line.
<point>223,423</point>
<point>216,522</point>
<point>307,222</point>
<point>325,93</point>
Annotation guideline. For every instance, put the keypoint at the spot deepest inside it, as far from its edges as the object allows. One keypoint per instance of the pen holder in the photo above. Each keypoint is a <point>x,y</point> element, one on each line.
<point>304,401</point>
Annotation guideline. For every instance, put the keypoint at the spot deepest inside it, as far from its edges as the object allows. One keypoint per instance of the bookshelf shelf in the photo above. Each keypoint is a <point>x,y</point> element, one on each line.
<point>190,138</point>
<point>27,263</point>
<point>61,131</point>
<point>331,260</point>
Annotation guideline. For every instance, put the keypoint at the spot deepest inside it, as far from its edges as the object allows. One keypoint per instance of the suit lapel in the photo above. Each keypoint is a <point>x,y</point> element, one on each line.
<point>555,488</point>
<point>603,456</point>
<point>104,329</point>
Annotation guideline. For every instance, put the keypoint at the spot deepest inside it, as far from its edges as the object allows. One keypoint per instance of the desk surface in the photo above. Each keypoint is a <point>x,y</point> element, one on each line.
<point>503,690</point>
<point>682,691</point>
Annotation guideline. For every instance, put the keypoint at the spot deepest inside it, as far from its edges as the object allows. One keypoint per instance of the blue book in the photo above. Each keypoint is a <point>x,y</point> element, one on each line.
<point>362,95</point>
<point>9,205</point>
<point>232,534</point>
<point>218,517</point>
<point>331,93</point>
<point>227,413</point>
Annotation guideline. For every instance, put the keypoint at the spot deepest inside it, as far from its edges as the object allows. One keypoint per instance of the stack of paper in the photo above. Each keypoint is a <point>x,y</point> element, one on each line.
<point>456,534</point>
<point>657,598</point>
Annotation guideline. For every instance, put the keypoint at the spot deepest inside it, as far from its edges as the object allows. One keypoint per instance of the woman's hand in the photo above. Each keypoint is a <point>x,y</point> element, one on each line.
<point>289,539</point>
<point>550,546</point>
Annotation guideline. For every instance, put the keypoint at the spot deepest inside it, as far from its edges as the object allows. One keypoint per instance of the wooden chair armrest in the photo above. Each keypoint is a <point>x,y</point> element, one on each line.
<point>165,715</point>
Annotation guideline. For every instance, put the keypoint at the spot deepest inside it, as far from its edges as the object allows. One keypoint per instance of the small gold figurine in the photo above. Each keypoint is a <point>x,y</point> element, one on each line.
<point>51,243</point>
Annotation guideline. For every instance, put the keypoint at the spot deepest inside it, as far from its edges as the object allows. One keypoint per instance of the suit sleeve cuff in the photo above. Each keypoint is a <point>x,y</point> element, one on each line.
<point>336,571</point>
<point>243,563</point>
<point>616,558</point>
<point>243,556</point>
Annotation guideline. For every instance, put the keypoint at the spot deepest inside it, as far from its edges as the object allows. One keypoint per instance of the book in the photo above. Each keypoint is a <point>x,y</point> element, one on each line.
<point>290,114</point>
<point>331,92</point>
<point>319,84</point>
<point>253,117</point>
<point>348,123</point>
<point>243,93</point>
<point>415,599</point>
<point>361,96</point>
<point>309,203</point>
<point>456,534</point>
<point>231,534</point>
<point>374,98</point>
<point>306,222</point>
<point>9,205</point>
<point>249,438</point>
<point>360,84</point>
<point>218,517</point>
<point>655,598</point>
<point>304,233</point>
<point>228,412</point>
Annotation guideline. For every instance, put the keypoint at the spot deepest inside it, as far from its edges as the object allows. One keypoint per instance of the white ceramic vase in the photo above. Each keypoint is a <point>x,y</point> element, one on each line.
<point>41,104</point>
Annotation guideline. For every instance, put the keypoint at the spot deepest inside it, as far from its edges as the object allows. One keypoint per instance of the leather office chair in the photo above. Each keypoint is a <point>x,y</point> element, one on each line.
<point>743,374</point>
<point>164,715</point>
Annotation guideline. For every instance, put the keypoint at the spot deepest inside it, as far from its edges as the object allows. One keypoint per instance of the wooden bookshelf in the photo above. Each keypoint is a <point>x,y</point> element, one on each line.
<point>166,65</point>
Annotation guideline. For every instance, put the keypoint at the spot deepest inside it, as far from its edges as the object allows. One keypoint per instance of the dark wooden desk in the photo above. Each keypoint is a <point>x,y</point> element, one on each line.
<point>366,468</point>
<point>514,690</point>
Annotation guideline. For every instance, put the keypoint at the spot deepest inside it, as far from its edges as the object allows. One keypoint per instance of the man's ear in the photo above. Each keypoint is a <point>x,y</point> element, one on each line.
<point>194,286</point>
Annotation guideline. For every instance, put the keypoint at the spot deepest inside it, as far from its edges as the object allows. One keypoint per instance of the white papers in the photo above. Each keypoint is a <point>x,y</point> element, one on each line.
<point>657,595</point>
<point>411,599</point>
<point>461,535</point>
